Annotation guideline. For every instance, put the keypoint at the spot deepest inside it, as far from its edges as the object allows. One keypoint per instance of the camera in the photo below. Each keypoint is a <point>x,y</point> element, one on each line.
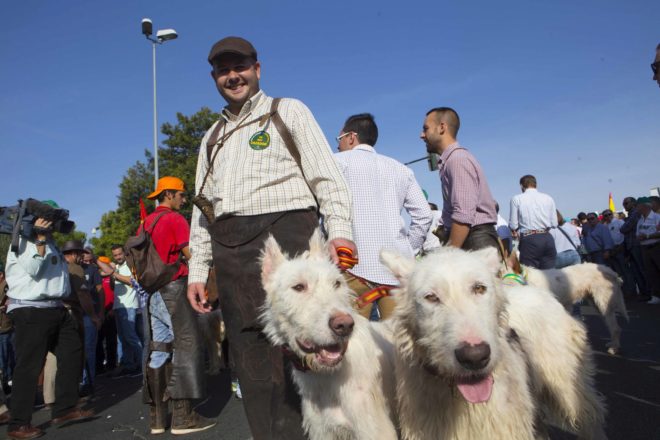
<point>19,219</point>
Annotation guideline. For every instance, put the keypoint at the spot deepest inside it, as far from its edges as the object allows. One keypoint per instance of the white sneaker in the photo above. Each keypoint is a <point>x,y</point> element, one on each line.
<point>653,300</point>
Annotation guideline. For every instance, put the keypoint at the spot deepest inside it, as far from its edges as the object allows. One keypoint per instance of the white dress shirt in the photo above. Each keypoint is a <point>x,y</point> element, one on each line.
<point>532,211</point>
<point>381,188</point>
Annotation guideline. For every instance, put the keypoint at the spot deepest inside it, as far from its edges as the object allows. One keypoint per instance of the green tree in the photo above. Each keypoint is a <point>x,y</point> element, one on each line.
<point>60,239</point>
<point>178,158</point>
<point>5,241</point>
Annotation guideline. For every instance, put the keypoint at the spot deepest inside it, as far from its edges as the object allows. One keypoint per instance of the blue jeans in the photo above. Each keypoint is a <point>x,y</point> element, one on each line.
<point>89,372</point>
<point>7,356</point>
<point>161,329</point>
<point>567,258</point>
<point>131,346</point>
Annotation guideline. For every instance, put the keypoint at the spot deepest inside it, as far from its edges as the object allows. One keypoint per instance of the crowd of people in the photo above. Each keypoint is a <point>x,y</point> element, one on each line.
<point>266,169</point>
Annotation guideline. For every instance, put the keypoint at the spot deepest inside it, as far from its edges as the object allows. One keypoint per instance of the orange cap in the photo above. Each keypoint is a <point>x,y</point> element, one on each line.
<point>104,259</point>
<point>165,183</point>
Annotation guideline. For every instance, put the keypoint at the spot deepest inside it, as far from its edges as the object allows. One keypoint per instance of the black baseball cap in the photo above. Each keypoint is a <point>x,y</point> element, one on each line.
<point>236,45</point>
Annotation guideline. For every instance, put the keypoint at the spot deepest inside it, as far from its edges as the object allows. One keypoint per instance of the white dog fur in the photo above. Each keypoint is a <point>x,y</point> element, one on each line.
<point>538,364</point>
<point>582,281</point>
<point>349,391</point>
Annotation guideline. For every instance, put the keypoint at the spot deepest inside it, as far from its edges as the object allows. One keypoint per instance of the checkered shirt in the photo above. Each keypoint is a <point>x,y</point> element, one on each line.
<point>382,188</point>
<point>247,181</point>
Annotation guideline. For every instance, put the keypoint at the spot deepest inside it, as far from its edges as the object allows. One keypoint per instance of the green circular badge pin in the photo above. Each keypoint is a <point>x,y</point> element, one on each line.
<point>260,140</point>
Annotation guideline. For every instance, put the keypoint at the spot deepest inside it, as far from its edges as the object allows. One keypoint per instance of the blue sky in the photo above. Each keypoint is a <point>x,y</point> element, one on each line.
<point>560,89</point>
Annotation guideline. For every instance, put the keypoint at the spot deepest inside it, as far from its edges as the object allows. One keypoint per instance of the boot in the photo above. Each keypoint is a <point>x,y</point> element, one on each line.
<point>158,407</point>
<point>185,420</point>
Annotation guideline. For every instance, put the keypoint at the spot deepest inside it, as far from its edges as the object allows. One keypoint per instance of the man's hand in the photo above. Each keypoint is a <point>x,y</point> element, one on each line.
<point>341,242</point>
<point>41,225</point>
<point>197,297</point>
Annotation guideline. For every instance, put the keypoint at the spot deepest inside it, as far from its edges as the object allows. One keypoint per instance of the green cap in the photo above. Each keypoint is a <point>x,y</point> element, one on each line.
<point>51,203</point>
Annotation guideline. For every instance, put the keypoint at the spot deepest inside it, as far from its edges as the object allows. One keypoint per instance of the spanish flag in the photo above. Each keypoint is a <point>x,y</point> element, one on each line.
<point>612,208</point>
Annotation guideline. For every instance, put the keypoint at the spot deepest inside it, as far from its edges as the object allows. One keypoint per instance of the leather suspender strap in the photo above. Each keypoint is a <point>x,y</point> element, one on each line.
<point>213,139</point>
<point>285,134</point>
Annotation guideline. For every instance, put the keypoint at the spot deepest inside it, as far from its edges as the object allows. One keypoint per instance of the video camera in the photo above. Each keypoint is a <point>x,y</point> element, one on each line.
<point>19,219</point>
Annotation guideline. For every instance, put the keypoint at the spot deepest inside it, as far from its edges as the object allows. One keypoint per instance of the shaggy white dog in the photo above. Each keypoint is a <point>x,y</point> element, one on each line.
<point>478,361</point>
<point>346,373</point>
<point>582,281</point>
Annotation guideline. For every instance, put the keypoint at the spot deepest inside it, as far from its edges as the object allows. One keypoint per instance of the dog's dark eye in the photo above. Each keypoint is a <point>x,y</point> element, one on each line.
<point>300,287</point>
<point>337,284</point>
<point>432,297</point>
<point>479,289</point>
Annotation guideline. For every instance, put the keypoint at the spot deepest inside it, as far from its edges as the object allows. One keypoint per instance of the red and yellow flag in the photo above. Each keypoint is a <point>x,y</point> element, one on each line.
<point>612,208</point>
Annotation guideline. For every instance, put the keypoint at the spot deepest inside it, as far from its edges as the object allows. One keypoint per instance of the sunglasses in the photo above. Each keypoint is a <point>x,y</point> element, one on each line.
<point>608,214</point>
<point>342,135</point>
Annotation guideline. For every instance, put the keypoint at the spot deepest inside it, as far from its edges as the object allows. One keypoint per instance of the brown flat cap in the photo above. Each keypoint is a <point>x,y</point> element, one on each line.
<point>235,45</point>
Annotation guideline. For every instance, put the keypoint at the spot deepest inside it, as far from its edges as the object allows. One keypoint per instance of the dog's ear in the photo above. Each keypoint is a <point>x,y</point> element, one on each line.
<point>317,244</point>
<point>271,258</point>
<point>491,257</point>
<point>400,266</point>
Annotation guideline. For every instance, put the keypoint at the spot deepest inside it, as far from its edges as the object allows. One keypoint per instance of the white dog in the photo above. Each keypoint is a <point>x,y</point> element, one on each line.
<point>465,371</point>
<point>345,377</point>
<point>583,281</point>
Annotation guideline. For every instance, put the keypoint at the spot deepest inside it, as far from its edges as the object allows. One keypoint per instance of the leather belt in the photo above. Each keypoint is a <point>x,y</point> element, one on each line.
<point>534,231</point>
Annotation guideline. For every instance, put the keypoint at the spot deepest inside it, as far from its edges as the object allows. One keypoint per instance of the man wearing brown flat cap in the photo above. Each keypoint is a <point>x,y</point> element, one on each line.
<point>264,168</point>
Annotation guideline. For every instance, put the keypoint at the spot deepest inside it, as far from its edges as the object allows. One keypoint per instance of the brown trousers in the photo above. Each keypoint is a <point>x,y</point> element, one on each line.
<point>270,399</point>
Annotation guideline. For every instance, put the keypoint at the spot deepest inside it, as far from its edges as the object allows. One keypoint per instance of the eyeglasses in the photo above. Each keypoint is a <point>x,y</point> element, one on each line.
<point>342,135</point>
<point>607,214</point>
<point>591,218</point>
<point>655,66</point>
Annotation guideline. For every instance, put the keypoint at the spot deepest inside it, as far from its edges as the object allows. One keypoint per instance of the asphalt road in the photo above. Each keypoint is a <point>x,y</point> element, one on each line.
<point>630,383</point>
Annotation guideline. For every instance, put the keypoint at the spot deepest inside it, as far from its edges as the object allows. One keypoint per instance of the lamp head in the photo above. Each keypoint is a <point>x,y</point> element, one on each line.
<point>147,27</point>
<point>166,34</point>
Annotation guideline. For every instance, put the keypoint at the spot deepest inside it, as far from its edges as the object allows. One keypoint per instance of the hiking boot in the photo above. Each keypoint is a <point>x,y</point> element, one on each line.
<point>158,407</point>
<point>185,420</point>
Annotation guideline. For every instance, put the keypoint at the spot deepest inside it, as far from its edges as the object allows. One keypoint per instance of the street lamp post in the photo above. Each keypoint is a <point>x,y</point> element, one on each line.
<point>162,35</point>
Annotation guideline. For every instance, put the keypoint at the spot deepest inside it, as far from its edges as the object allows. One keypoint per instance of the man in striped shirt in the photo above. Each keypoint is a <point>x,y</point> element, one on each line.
<point>257,187</point>
<point>468,210</point>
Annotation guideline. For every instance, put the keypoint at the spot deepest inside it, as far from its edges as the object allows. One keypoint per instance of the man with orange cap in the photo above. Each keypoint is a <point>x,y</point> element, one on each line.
<point>175,364</point>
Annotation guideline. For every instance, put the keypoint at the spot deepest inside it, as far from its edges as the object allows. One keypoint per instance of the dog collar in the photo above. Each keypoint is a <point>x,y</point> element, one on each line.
<point>518,278</point>
<point>298,363</point>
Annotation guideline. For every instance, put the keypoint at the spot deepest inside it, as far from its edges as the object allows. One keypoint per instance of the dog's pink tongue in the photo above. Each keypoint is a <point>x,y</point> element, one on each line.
<point>476,392</point>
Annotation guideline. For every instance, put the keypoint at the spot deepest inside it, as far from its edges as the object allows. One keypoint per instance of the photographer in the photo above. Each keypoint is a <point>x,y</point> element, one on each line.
<point>38,280</point>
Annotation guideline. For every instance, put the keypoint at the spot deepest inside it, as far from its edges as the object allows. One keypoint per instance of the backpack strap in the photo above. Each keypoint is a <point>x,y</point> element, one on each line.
<point>153,224</point>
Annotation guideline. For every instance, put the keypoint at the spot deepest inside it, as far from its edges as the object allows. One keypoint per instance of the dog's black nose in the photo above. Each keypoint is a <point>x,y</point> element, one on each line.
<point>342,324</point>
<point>473,357</point>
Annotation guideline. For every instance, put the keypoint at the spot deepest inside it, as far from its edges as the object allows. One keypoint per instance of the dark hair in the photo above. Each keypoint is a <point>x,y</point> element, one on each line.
<point>433,206</point>
<point>161,196</point>
<point>117,246</point>
<point>364,125</point>
<point>560,218</point>
<point>527,181</point>
<point>581,216</point>
<point>630,199</point>
<point>655,199</point>
<point>449,116</point>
